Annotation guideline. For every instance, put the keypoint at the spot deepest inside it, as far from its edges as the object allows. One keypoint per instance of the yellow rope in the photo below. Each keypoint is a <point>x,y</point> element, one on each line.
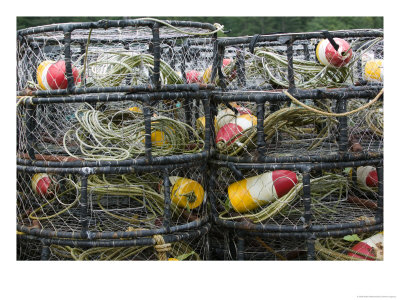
<point>162,248</point>
<point>333,114</point>
<point>216,25</point>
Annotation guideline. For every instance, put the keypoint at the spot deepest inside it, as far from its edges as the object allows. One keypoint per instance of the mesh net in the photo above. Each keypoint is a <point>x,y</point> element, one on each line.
<point>338,196</point>
<point>114,202</point>
<point>186,250</point>
<point>365,246</point>
<point>224,245</point>
<point>315,63</point>
<point>121,59</point>
<point>108,131</point>
<point>113,57</point>
<point>291,129</point>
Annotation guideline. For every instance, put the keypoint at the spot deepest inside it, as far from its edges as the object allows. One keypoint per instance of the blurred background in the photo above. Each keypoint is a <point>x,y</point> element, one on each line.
<point>237,26</point>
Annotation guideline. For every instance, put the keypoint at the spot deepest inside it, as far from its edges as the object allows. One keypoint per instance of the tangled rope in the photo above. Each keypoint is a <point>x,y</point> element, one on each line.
<point>179,250</point>
<point>119,135</point>
<point>272,66</point>
<point>330,114</point>
<point>323,187</point>
<point>218,27</point>
<point>288,120</point>
<point>337,249</point>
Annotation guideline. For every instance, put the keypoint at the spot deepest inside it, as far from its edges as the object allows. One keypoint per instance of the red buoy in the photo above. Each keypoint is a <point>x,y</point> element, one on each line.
<point>193,76</point>
<point>328,56</point>
<point>371,247</point>
<point>52,75</point>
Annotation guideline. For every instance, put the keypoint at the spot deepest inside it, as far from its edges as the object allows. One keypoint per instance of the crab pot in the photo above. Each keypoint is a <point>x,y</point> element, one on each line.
<point>188,245</point>
<point>113,55</point>
<point>300,60</point>
<point>297,198</point>
<point>28,248</point>
<point>81,130</point>
<point>112,202</point>
<point>191,246</point>
<point>250,247</point>
<point>333,125</point>
<point>359,247</point>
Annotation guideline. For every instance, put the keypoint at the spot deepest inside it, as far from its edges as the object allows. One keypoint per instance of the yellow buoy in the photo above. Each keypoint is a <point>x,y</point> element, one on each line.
<point>251,193</point>
<point>186,192</point>
<point>373,70</point>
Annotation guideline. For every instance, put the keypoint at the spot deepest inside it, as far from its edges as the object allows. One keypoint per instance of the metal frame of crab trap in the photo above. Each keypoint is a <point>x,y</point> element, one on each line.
<point>24,37</point>
<point>147,94</point>
<point>302,163</point>
<point>342,96</point>
<point>284,39</point>
<point>32,163</point>
<point>87,238</point>
<point>308,230</point>
<point>274,97</point>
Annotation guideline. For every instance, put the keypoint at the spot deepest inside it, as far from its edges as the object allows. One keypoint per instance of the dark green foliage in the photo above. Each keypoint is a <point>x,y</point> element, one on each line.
<point>239,26</point>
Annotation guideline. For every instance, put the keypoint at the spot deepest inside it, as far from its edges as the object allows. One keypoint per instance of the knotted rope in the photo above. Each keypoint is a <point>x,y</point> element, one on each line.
<point>161,247</point>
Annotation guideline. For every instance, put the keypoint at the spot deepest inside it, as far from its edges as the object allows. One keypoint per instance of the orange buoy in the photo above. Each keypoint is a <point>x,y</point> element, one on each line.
<point>251,193</point>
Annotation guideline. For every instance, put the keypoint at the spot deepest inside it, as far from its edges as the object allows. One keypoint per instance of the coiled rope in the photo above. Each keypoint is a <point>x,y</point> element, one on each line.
<point>119,135</point>
<point>330,114</point>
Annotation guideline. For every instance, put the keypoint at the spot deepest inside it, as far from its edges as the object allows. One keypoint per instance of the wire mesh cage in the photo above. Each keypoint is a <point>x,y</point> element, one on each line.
<point>126,128</point>
<point>297,198</point>
<point>188,247</point>
<point>276,249</point>
<point>28,248</point>
<point>123,130</point>
<point>113,55</point>
<point>110,204</point>
<point>303,60</point>
<point>353,247</point>
<point>257,127</point>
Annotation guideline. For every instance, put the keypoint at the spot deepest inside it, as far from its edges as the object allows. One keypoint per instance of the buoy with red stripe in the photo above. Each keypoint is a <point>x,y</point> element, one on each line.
<point>193,76</point>
<point>366,176</point>
<point>51,75</point>
<point>42,185</point>
<point>228,133</point>
<point>370,248</point>
<point>251,193</point>
<point>328,56</point>
<point>373,70</point>
<point>224,116</point>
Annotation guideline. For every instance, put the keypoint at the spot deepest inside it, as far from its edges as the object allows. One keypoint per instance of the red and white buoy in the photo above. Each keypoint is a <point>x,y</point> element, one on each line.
<point>250,193</point>
<point>328,56</point>
<point>51,75</point>
<point>42,185</point>
<point>226,134</point>
<point>224,116</point>
<point>372,247</point>
<point>193,76</point>
<point>367,176</point>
